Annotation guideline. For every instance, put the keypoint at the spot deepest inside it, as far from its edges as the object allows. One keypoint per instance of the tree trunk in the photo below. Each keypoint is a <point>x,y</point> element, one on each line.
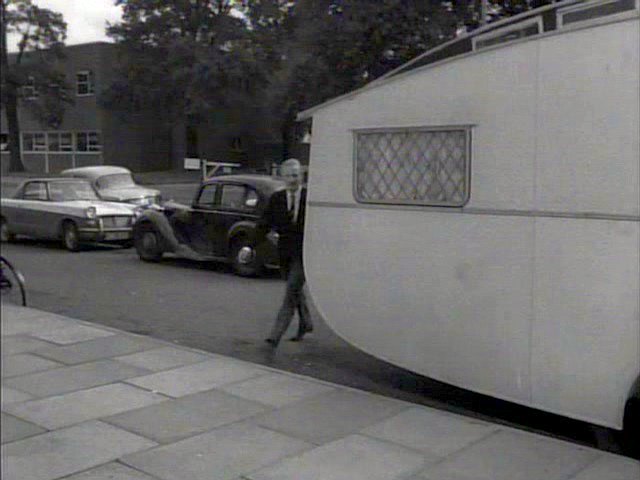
<point>11,96</point>
<point>11,111</point>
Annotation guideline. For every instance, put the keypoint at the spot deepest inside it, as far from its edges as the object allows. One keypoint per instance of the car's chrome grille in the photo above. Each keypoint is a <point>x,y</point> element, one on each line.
<point>116,221</point>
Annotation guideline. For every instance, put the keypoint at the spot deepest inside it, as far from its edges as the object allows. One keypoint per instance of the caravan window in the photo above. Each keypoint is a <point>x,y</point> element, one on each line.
<point>590,10</point>
<point>418,166</point>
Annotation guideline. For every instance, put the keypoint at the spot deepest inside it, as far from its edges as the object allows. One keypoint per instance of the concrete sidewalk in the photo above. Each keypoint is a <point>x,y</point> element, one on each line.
<point>86,402</point>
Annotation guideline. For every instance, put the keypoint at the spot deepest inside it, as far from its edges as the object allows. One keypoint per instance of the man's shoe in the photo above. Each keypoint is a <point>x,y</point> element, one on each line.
<point>271,342</point>
<point>297,338</point>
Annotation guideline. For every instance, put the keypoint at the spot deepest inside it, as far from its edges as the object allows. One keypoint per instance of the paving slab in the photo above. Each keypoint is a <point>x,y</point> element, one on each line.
<point>69,379</point>
<point>444,475</point>
<point>111,471</point>
<point>14,344</point>
<point>186,416</point>
<point>63,452</point>
<point>431,431</point>
<point>29,321</point>
<point>198,377</point>
<point>163,358</point>
<point>508,455</point>
<point>14,429</point>
<point>323,418</point>
<point>24,363</point>
<point>97,349</point>
<point>611,467</point>
<point>70,333</point>
<point>222,454</point>
<point>76,407</point>
<point>352,458</point>
<point>276,390</point>
<point>11,395</point>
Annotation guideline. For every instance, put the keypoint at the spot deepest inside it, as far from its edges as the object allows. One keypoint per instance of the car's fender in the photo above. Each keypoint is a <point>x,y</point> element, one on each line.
<point>247,228</point>
<point>161,225</point>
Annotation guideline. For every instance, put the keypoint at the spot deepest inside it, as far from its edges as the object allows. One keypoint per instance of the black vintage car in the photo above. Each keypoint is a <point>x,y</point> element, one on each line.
<point>221,225</point>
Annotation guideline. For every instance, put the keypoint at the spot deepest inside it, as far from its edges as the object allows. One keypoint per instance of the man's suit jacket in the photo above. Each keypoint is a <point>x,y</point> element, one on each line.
<point>290,233</point>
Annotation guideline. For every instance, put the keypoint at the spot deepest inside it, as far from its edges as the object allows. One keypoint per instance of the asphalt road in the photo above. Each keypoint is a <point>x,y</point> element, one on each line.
<point>205,306</point>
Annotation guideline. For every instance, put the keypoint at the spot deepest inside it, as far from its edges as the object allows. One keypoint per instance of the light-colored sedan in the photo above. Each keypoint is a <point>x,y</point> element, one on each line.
<point>65,209</point>
<point>115,184</point>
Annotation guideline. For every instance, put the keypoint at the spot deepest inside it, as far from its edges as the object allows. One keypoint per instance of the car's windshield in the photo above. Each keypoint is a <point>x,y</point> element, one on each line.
<point>68,191</point>
<point>116,180</point>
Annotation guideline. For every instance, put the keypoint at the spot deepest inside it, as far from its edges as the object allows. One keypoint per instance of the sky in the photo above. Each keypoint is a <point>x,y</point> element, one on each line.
<point>86,19</point>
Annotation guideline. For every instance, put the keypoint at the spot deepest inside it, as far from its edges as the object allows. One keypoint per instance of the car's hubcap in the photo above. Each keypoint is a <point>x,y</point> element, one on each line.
<point>71,237</point>
<point>149,242</point>
<point>246,255</point>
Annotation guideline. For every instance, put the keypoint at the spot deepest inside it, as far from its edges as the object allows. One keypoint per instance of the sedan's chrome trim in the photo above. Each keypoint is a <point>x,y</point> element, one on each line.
<point>108,230</point>
<point>483,211</point>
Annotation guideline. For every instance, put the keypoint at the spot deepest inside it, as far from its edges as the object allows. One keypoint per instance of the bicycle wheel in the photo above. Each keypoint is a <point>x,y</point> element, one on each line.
<point>12,285</point>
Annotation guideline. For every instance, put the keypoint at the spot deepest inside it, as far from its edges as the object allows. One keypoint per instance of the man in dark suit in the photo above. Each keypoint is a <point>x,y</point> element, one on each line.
<point>285,214</point>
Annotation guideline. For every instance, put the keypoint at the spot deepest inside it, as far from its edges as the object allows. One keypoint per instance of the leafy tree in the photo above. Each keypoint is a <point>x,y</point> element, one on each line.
<point>40,33</point>
<point>325,48</point>
<point>184,58</point>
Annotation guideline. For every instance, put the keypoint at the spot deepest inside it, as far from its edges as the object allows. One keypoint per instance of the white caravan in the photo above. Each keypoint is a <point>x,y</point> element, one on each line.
<point>474,215</point>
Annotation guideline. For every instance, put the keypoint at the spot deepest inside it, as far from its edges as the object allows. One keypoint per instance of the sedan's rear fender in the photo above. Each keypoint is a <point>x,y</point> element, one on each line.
<point>161,225</point>
<point>246,229</point>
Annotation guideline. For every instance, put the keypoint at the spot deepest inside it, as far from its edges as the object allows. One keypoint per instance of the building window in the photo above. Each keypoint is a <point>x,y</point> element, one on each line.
<point>60,141</point>
<point>34,142</point>
<point>591,10</point>
<point>56,142</point>
<point>417,166</point>
<point>84,83</point>
<point>88,142</point>
<point>66,142</point>
<point>29,89</point>
<point>524,29</point>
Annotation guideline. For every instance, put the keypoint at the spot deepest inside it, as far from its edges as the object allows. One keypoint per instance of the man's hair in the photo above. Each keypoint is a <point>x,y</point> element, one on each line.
<point>290,163</point>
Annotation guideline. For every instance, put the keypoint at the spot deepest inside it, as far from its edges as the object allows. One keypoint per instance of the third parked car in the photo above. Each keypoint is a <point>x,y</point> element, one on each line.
<point>222,223</point>
<point>115,184</point>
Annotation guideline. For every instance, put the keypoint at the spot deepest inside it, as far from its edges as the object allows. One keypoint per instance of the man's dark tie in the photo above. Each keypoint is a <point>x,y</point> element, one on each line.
<point>292,207</point>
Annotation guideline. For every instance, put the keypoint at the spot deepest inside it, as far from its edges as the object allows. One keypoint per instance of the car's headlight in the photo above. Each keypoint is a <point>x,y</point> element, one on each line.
<point>137,212</point>
<point>91,212</point>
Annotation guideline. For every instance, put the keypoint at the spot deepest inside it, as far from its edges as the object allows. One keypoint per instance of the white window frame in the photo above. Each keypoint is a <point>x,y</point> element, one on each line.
<point>70,145</point>
<point>511,28</point>
<point>91,147</point>
<point>467,168</point>
<point>62,147</point>
<point>560,13</point>
<point>88,83</point>
<point>39,142</point>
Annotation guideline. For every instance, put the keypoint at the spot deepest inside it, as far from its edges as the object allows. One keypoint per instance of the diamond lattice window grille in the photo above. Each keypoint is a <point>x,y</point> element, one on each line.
<point>422,167</point>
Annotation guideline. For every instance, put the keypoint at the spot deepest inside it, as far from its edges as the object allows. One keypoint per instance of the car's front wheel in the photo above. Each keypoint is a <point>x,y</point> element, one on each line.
<point>148,244</point>
<point>245,259</point>
<point>70,238</point>
<point>5,233</point>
